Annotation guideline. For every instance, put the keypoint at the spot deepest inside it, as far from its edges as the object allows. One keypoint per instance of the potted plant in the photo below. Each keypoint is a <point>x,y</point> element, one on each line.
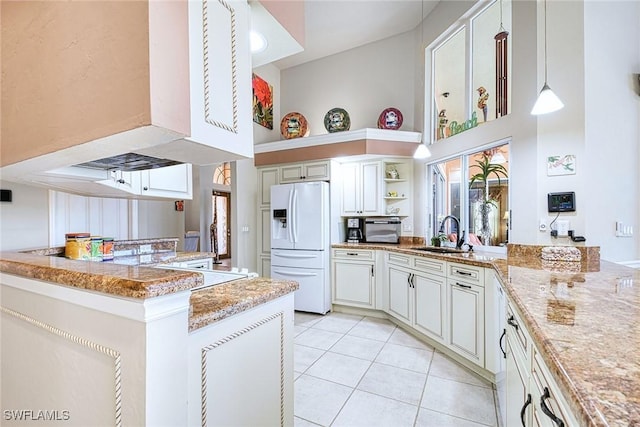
<point>438,240</point>
<point>486,170</point>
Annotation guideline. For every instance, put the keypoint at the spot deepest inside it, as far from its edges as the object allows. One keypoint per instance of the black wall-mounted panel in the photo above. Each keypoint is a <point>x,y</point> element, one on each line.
<point>6,195</point>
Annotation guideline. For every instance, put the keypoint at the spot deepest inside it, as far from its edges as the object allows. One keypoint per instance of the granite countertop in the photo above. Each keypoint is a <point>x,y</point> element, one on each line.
<point>215,303</point>
<point>584,319</point>
<point>123,280</point>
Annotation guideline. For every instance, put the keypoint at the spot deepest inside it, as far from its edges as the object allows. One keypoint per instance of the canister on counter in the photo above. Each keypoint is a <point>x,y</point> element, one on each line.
<point>77,246</point>
<point>96,248</point>
<point>107,248</point>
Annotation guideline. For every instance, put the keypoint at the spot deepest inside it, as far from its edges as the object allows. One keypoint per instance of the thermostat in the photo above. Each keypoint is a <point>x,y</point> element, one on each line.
<point>562,202</point>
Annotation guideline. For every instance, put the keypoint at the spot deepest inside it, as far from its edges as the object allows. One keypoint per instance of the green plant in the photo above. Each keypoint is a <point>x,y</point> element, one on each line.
<point>487,169</point>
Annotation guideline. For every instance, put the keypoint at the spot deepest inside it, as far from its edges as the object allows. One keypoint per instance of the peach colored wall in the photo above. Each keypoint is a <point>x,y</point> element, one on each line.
<point>290,14</point>
<point>72,72</point>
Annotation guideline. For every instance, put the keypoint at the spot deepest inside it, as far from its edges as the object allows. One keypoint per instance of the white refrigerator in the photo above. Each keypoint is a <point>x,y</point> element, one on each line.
<point>300,242</point>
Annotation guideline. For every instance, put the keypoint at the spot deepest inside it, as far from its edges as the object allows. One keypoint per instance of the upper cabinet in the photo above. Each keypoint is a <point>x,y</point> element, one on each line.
<point>87,81</point>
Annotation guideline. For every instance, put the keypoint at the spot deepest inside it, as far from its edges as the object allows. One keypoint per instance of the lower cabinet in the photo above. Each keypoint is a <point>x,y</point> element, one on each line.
<point>532,395</point>
<point>430,303</point>
<point>401,294</point>
<point>466,320</point>
<point>353,277</point>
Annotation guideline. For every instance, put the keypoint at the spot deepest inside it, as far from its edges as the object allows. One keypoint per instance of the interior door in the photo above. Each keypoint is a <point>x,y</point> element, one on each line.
<point>221,227</point>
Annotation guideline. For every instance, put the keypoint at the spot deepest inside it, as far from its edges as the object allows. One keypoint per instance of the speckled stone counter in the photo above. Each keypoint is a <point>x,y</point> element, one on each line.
<point>123,280</point>
<point>584,319</point>
<point>215,303</point>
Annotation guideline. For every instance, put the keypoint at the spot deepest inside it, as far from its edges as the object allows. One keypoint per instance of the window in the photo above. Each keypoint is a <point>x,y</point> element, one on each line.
<point>222,174</point>
<point>471,72</point>
<point>474,188</point>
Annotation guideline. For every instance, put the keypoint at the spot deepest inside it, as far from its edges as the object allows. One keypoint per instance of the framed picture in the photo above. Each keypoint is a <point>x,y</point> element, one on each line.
<point>262,102</point>
<point>561,165</point>
<point>179,205</point>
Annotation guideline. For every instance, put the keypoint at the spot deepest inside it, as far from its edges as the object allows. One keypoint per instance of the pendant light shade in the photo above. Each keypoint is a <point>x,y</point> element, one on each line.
<point>547,101</point>
<point>422,152</point>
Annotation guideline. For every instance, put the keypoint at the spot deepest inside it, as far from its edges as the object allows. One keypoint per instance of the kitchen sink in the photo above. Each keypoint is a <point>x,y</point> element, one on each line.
<point>438,250</point>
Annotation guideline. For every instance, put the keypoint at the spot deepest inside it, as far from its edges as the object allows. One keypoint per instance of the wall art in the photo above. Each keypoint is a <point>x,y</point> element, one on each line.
<point>262,102</point>
<point>561,165</point>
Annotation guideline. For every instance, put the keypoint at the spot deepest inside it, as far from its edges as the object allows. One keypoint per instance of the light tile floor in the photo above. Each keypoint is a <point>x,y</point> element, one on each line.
<point>361,371</point>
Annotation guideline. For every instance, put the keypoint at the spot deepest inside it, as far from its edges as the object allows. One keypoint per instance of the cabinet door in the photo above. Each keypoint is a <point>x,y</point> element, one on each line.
<point>266,178</point>
<point>430,295</point>
<point>517,396</point>
<point>265,232</point>
<point>466,320</point>
<point>350,189</point>
<point>291,173</point>
<point>318,171</point>
<point>171,181</point>
<point>400,291</point>
<point>353,284</point>
<point>371,184</point>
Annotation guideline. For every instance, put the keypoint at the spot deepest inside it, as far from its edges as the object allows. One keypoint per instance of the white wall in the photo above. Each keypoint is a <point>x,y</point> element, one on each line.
<point>160,219</point>
<point>24,222</point>
<point>364,81</point>
<point>244,204</point>
<point>612,126</point>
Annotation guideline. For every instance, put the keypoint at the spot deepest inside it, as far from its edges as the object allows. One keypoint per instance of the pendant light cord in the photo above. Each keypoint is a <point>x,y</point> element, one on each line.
<point>501,26</point>
<point>545,41</point>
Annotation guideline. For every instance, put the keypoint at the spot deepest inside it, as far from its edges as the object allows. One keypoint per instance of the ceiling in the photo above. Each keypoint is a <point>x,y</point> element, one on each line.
<point>333,26</point>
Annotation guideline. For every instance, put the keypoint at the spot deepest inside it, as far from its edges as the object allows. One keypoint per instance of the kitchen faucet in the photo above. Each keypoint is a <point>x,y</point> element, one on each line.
<point>460,237</point>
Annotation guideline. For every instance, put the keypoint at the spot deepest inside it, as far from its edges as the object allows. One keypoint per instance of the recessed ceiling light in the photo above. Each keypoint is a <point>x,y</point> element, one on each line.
<point>257,41</point>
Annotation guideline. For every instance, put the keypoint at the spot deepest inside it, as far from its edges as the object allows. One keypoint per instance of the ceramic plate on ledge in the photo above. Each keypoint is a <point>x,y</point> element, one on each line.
<point>294,125</point>
<point>337,120</point>
<point>390,118</point>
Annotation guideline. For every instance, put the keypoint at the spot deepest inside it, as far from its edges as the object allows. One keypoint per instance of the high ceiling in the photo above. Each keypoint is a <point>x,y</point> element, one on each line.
<point>334,26</point>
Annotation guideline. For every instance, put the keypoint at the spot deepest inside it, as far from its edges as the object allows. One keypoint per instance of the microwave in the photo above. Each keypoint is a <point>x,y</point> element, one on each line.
<point>382,230</point>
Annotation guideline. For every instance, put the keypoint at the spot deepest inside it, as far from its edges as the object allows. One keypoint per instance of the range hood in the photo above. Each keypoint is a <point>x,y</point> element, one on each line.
<point>128,162</point>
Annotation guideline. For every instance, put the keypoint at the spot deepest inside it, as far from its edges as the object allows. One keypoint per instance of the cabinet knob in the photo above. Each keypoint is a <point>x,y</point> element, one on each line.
<point>145,188</point>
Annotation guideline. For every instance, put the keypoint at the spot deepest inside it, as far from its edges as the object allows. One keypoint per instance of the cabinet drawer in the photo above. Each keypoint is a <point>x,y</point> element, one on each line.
<point>468,273</point>
<point>429,265</point>
<point>399,259</point>
<point>542,381</point>
<point>517,331</point>
<point>359,254</point>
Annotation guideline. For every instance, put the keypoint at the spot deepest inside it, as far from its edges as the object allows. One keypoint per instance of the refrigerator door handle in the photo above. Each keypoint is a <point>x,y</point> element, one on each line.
<point>294,216</point>
<point>290,216</point>
<point>294,273</point>
<point>294,256</point>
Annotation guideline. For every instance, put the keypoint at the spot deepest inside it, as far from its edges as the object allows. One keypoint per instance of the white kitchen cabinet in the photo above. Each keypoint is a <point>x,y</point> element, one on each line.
<point>266,178</point>
<point>362,188</point>
<point>401,294</point>
<point>170,182</point>
<point>518,400</point>
<point>466,319</point>
<point>430,292</point>
<point>311,171</point>
<point>353,277</point>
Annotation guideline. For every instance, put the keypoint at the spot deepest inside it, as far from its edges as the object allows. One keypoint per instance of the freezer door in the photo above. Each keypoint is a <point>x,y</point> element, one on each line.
<point>310,217</point>
<point>281,204</point>
<point>312,295</point>
<point>299,259</point>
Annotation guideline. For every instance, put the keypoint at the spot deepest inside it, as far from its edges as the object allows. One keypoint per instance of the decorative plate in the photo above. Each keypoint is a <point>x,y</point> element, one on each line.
<point>391,118</point>
<point>294,125</point>
<point>337,120</point>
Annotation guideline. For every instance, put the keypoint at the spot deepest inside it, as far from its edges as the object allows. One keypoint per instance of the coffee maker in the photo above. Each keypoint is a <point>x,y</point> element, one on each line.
<point>354,230</point>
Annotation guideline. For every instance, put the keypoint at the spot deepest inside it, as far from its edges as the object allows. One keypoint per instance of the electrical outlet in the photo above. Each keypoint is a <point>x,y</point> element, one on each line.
<point>542,226</point>
<point>407,226</point>
<point>563,227</point>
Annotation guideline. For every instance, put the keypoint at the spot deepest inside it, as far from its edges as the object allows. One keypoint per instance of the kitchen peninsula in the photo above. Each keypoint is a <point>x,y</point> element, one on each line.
<point>571,327</point>
<point>100,343</point>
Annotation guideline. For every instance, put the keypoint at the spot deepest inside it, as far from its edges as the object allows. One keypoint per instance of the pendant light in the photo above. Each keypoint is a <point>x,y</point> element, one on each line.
<point>547,101</point>
<point>422,152</point>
